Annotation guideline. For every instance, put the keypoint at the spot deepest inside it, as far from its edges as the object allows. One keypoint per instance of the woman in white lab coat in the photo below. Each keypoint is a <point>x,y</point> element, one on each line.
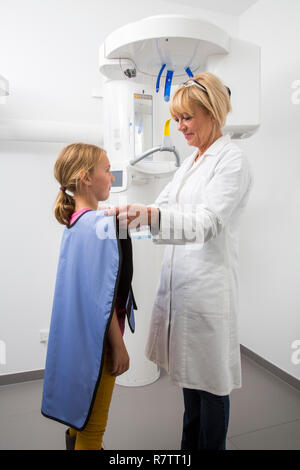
<point>194,330</point>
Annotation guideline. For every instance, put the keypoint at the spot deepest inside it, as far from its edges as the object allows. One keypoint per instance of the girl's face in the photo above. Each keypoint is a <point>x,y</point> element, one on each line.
<point>101,179</point>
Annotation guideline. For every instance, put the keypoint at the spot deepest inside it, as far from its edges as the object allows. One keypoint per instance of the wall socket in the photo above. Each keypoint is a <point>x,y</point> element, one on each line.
<point>44,334</point>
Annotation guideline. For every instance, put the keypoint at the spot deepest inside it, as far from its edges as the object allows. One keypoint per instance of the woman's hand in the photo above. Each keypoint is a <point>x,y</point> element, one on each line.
<point>134,216</point>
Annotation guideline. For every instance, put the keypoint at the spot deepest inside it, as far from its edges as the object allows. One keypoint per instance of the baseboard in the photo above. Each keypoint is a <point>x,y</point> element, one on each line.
<point>289,379</point>
<point>8,379</point>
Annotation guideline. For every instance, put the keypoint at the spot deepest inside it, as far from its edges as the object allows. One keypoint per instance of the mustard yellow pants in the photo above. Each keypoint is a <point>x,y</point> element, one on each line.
<point>90,438</point>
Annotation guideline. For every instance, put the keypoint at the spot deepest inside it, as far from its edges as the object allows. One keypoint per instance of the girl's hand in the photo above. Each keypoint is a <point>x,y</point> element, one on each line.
<point>116,348</point>
<point>120,360</point>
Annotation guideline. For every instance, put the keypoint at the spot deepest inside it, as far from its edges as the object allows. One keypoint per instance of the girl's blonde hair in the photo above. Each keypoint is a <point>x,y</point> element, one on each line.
<point>215,102</point>
<point>73,162</point>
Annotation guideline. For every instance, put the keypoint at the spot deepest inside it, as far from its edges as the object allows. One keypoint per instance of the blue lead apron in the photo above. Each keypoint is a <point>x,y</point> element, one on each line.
<point>95,266</point>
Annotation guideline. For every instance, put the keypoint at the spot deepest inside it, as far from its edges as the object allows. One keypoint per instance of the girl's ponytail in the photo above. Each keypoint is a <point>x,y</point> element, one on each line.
<point>64,207</point>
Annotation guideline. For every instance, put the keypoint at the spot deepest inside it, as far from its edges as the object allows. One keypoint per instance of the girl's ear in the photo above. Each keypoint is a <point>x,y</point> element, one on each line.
<point>84,178</point>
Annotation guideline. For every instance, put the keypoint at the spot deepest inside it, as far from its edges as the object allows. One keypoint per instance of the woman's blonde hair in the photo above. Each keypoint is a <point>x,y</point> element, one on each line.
<point>215,102</point>
<point>73,162</point>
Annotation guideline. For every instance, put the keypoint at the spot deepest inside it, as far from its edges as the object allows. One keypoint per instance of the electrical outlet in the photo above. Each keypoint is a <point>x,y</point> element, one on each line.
<point>44,334</point>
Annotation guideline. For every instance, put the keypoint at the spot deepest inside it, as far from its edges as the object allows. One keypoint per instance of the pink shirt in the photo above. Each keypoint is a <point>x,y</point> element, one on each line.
<point>75,215</point>
<point>121,313</point>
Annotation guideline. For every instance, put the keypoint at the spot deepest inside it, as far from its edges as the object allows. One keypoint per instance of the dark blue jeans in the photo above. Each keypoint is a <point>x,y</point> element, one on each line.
<point>205,420</point>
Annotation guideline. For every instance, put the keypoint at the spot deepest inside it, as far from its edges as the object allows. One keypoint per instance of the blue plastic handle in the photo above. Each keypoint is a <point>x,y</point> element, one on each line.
<point>168,85</point>
<point>189,72</point>
<point>158,77</point>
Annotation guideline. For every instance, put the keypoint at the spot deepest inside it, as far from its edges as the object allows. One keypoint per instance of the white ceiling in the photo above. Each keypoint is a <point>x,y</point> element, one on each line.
<point>231,7</point>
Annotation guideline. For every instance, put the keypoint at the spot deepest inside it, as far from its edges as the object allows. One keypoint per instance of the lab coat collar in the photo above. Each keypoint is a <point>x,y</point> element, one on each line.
<point>212,151</point>
<point>215,148</point>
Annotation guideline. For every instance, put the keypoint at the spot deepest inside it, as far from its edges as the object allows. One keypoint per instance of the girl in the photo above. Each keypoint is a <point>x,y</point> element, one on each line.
<point>93,295</point>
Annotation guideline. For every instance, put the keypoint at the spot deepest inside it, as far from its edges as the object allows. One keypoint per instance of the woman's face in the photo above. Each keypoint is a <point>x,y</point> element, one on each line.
<point>196,129</point>
<point>101,179</point>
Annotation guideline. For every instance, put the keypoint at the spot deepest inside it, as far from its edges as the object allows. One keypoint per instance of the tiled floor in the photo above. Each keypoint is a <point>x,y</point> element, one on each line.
<point>265,414</point>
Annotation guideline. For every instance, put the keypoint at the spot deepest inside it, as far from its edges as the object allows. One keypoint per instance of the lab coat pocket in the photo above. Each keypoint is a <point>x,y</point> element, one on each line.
<point>206,291</point>
<point>207,347</point>
<point>157,344</point>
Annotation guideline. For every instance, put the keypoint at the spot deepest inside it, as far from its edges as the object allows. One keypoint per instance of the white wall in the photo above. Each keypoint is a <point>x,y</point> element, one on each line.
<point>49,51</point>
<point>270,238</point>
<point>29,244</point>
<point>49,54</point>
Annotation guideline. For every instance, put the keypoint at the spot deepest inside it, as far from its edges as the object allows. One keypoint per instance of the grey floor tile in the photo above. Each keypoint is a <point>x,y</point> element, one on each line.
<point>283,437</point>
<point>230,445</point>
<point>20,398</point>
<point>265,414</point>
<point>264,400</point>
<point>147,417</point>
<point>31,431</point>
<point>22,426</point>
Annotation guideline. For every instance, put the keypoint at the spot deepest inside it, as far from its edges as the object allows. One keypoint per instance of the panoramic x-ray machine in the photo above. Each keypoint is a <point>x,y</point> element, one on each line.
<point>140,63</point>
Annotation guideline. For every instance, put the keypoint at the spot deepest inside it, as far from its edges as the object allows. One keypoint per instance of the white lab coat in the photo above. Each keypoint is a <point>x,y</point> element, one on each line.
<point>194,330</point>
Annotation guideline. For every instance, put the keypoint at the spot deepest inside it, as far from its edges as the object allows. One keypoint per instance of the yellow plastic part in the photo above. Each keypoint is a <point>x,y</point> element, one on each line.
<point>167,127</point>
